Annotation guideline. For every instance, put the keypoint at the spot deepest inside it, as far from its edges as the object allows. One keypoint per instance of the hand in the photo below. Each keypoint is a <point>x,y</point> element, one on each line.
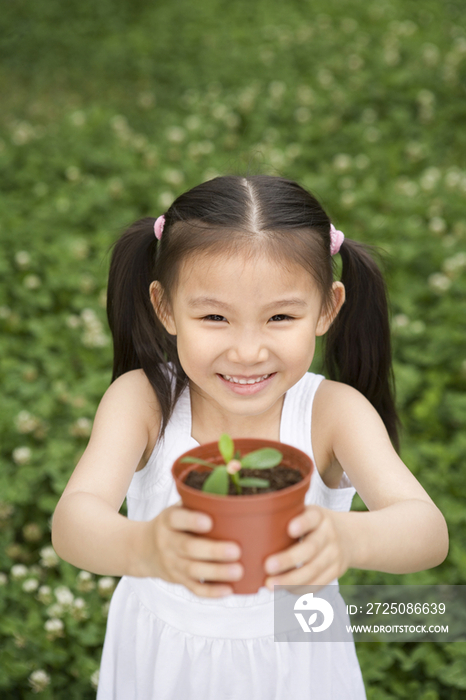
<point>196,562</point>
<point>321,555</point>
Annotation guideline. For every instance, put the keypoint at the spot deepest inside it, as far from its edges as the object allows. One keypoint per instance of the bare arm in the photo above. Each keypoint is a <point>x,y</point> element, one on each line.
<point>88,530</point>
<point>403,531</point>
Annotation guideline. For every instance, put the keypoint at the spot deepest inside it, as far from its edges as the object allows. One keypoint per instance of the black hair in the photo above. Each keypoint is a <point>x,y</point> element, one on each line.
<point>280,218</point>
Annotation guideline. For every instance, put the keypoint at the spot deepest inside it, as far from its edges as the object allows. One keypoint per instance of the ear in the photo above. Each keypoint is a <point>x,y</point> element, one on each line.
<point>328,316</point>
<point>161,307</point>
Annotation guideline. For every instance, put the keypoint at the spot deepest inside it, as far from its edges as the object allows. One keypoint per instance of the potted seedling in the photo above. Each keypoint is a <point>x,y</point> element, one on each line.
<point>251,488</point>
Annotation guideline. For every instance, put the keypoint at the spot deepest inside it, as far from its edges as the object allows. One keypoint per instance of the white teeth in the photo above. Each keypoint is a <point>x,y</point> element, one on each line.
<point>245,381</point>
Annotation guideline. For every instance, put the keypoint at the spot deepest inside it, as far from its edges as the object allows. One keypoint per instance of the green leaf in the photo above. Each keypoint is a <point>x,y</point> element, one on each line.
<point>226,447</point>
<point>253,481</point>
<point>262,459</point>
<point>196,460</point>
<point>217,482</point>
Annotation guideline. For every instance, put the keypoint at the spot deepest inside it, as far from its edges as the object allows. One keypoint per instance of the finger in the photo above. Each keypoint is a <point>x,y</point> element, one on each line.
<point>203,572</point>
<point>307,521</point>
<point>296,555</point>
<point>205,549</point>
<point>310,573</point>
<point>180,518</point>
<point>208,590</point>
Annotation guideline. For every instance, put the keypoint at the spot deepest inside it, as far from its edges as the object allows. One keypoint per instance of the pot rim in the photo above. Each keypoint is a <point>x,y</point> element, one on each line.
<point>179,478</point>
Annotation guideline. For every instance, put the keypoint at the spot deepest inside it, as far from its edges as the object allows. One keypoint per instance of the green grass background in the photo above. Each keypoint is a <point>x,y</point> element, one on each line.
<point>111,109</point>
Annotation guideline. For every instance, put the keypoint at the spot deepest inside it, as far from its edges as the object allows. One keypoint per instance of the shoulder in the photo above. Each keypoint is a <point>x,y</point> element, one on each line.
<point>337,401</point>
<point>131,397</point>
<point>343,421</point>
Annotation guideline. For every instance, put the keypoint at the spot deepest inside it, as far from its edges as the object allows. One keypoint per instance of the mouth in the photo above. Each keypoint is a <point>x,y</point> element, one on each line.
<point>245,380</point>
<point>246,386</point>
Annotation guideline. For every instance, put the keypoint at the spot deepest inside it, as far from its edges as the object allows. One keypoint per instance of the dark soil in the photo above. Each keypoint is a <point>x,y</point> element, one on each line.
<point>279,478</point>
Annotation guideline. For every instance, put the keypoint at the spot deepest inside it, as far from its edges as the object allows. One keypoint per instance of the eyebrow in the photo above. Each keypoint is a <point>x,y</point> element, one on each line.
<point>208,301</point>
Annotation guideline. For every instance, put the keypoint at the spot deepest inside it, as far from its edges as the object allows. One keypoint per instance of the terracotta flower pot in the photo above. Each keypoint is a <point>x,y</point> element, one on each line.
<point>258,522</point>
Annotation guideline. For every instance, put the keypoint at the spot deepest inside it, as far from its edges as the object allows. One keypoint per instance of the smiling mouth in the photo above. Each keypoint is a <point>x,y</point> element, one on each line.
<point>237,380</point>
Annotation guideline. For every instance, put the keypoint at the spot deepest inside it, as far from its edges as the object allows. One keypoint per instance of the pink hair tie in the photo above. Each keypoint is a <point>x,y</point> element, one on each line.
<point>158,227</point>
<point>336,239</point>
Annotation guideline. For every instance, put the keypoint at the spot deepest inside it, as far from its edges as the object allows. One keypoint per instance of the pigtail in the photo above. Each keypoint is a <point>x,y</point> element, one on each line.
<point>139,339</point>
<point>357,345</point>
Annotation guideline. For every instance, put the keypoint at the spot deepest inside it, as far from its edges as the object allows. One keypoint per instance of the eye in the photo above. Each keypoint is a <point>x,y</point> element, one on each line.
<point>214,317</point>
<point>281,317</point>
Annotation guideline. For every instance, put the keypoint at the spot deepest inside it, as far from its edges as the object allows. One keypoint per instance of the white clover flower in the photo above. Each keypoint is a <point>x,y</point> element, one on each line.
<point>73,321</point>
<point>372,134</point>
<point>119,123</point>
<point>3,579</point>
<point>64,596</point>
<point>39,680</point>
<point>23,133</point>
<point>430,178</point>
<point>79,248</point>
<point>106,585</point>
<point>305,95</point>
<point>30,585</point>
<point>439,282</point>
<point>342,162</point>
<point>165,199</point>
<point>173,176</point>
<point>85,582</point>
<point>400,321</point>
<point>49,557</point>
<point>22,259</point>
<point>72,173</point>
<point>146,99</point>
<point>453,177</point>
<point>348,199</point>
<point>277,89</point>
<point>302,115</point>
<point>21,455</point>
<point>55,610</point>
<point>95,679</point>
<point>175,134</point>
<point>418,327</point>
<point>44,595</point>
<point>193,122</point>
<point>116,186</point>
<point>139,142</point>
<point>81,428</point>
<point>78,118</point>
<point>407,187</point>
<point>79,609</point>
<point>54,627</point>
<point>6,510</point>
<point>437,224</point>
<point>32,282</point>
<point>430,54</point>
<point>454,264</point>
<point>18,571</point>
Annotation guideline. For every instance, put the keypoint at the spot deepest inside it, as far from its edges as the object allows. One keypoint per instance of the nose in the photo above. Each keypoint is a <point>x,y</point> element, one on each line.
<point>248,348</point>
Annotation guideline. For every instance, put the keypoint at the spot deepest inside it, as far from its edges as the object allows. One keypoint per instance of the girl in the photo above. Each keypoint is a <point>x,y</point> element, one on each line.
<point>214,320</point>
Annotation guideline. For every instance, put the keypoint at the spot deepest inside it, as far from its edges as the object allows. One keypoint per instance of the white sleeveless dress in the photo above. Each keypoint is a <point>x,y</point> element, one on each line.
<point>165,643</point>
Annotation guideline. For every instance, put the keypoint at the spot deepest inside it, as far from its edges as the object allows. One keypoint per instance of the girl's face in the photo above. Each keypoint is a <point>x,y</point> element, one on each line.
<point>240,319</point>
